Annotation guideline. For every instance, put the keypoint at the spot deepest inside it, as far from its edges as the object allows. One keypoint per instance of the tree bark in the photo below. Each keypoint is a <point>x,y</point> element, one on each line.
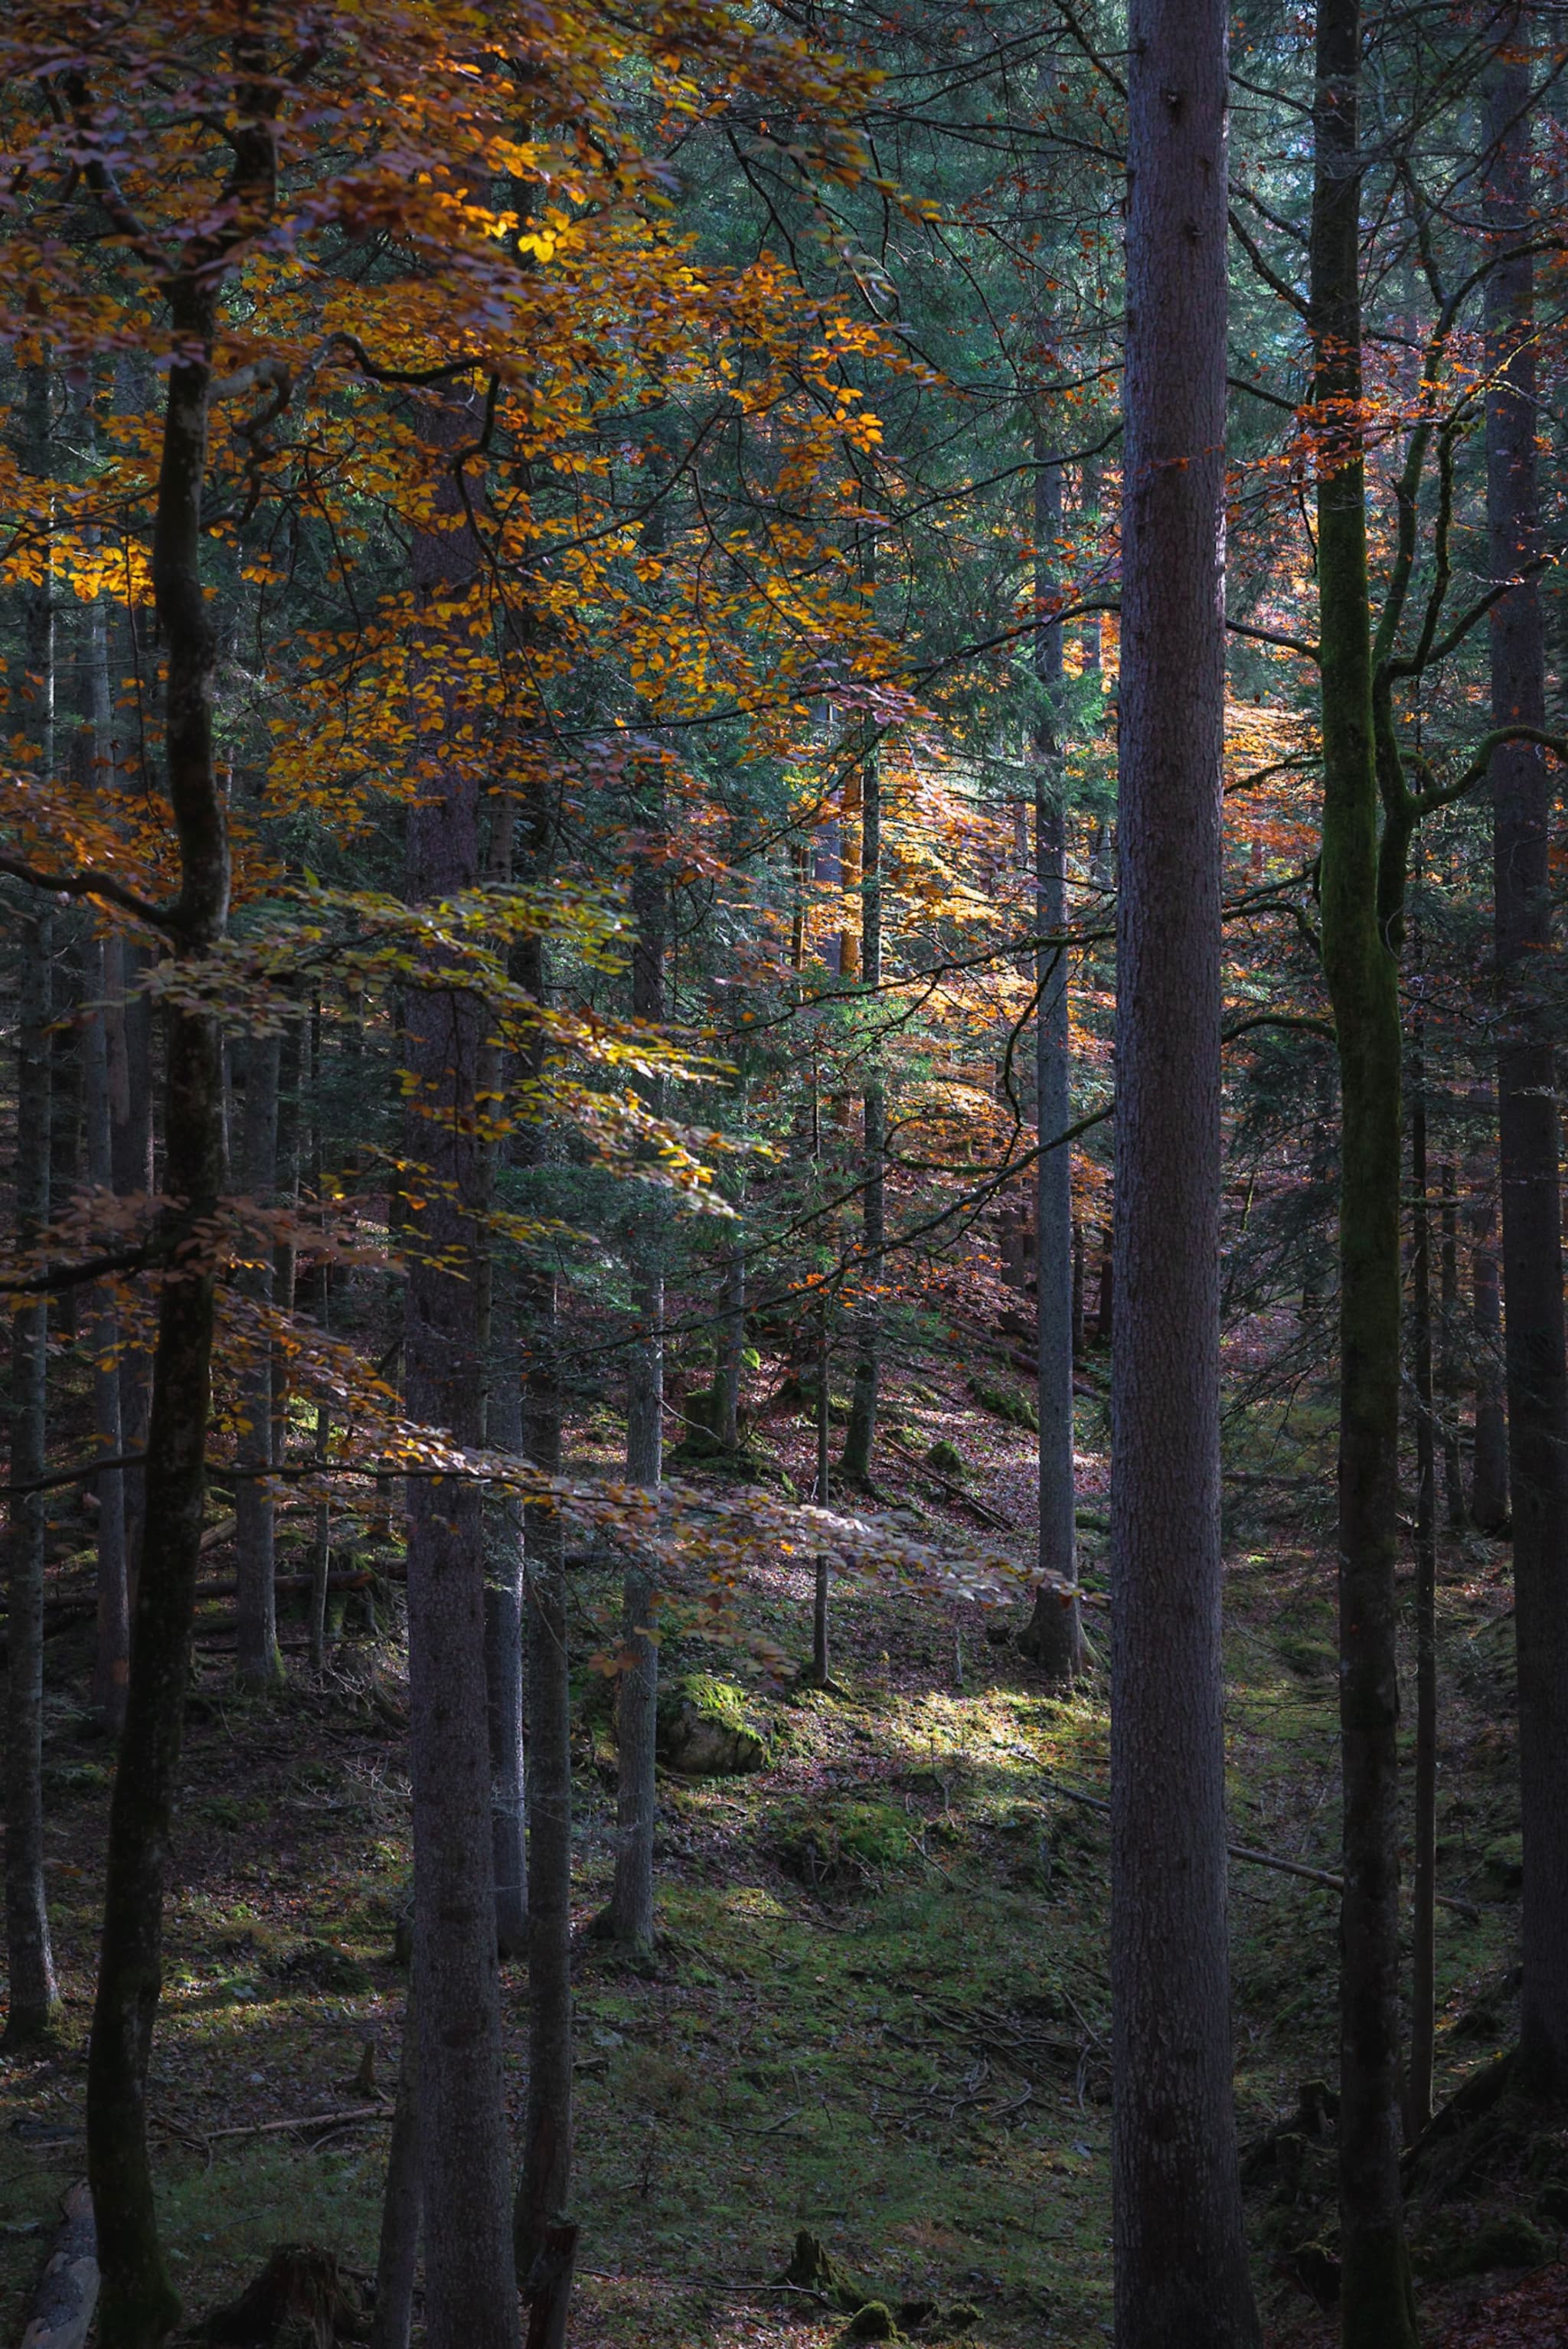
<point>859,1455</point>
<point>1526,1084</point>
<point>1377,2306</point>
<point>140,2304</point>
<point>34,1999</point>
<point>1054,1636</point>
<point>504,1536</point>
<point>636,1703</point>
<point>1447,1367</point>
<point>1181,2257</point>
<point>1423,1939</point>
<point>402,2198</point>
<point>1489,1500</point>
<point>470,2274</point>
<point>111,1663</point>
<point>546,2180</point>
<point>258,1661</point>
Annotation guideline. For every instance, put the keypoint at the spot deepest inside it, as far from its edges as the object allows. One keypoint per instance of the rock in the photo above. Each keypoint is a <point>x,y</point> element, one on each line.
<point>945,1458</point>
<point>703,1729</point>
<point>1512,2241</point>
<point>1504,1862</point>
<point>875,2321</point>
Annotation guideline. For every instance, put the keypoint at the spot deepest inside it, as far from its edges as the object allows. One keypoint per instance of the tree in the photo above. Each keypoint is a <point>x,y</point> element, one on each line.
<point>1363,985</point>
<point>1181,2257</point>
<point>1526,1090</point>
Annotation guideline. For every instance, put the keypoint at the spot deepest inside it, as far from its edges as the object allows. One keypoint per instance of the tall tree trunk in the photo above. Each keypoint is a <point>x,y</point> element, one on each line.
<point>726,1420</point>
<point>130,1049</point>
<point>546,2123</point>
<point>636,1703</point>
<point>1423,1946</point>
<point>1446,1369</point>
<point>1378,2307</point>
<point>859,1436</point>
<point>140,2303</point>
<point>402,2198</point>
<point>1181,2257</point>
<point>34,1999</point>
<point>504,1536</point>
<point>1489,1501</point>
<point>1526,1085</point>
<point>1054,1636</point>
<point>258,1662</point>
<point>100,1094</point>
<point>469,2275</point>
<point>111,1663</point>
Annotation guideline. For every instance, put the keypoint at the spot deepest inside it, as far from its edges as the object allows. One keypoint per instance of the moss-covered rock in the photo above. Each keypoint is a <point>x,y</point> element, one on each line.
<point>813,2268</point>
<point>843,1846</point>
<point>1503,1860</point>
<point>875,2321</point>
<point>946,1458</point>
<point>1511,2240</point>
<point>1013,1410</point>
<point>704,1728</point>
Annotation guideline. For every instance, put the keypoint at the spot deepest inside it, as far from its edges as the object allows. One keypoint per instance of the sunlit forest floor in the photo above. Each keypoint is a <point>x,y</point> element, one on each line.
<point>879,2007</point>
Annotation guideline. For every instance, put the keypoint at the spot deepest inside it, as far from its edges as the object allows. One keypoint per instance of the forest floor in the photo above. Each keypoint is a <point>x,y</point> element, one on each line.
<point>879,2005</point>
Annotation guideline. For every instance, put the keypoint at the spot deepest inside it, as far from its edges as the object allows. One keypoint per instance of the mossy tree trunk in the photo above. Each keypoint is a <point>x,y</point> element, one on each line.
<point>1361,972</point>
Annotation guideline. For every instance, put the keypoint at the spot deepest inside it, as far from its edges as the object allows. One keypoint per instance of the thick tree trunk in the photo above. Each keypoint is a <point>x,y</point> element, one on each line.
<point>258,1662</point>
<point>34,1999</point>
<point>1526,1086</point>
<point>1181,2257</point>
<point>131,1062</point>
<point>1377,2308</point>
<point>469,2276</point>
<point>1054,1636</point>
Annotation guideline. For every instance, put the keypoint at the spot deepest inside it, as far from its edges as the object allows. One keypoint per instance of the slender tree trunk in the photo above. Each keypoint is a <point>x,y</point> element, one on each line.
<point>1526,1085</point>
<point>637,1703</point>
<point>1181,2257</point>
<point>131,1059</point>
<point>112,1661</point>
<point>257,1661</point>
<point>1488,1504</point>
<point>34,1999</point>
<point>402,2198</point>
<point>469,2275</point>
<point>733,1323</point>
<point>1446,1369</point>
<point>1377,2306</point>
<point>1423,1949</point>
<point>140,2304</point>
<point>859,1436</point>
<point>820,1658</point>
<point>504,1637</point>
<point>546,2180</point>
<point>1054,1636</point>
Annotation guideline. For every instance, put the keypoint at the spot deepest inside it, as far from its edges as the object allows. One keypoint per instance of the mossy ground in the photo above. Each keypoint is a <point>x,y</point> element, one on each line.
<point>900,2043</point>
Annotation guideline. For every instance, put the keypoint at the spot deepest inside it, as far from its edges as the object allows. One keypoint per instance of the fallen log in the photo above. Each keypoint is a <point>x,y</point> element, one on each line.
<point>1283,1866</point>
<point>68,2290</point>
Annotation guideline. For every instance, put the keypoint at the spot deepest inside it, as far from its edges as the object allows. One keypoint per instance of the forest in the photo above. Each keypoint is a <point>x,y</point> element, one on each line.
<point>784,1383</point>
